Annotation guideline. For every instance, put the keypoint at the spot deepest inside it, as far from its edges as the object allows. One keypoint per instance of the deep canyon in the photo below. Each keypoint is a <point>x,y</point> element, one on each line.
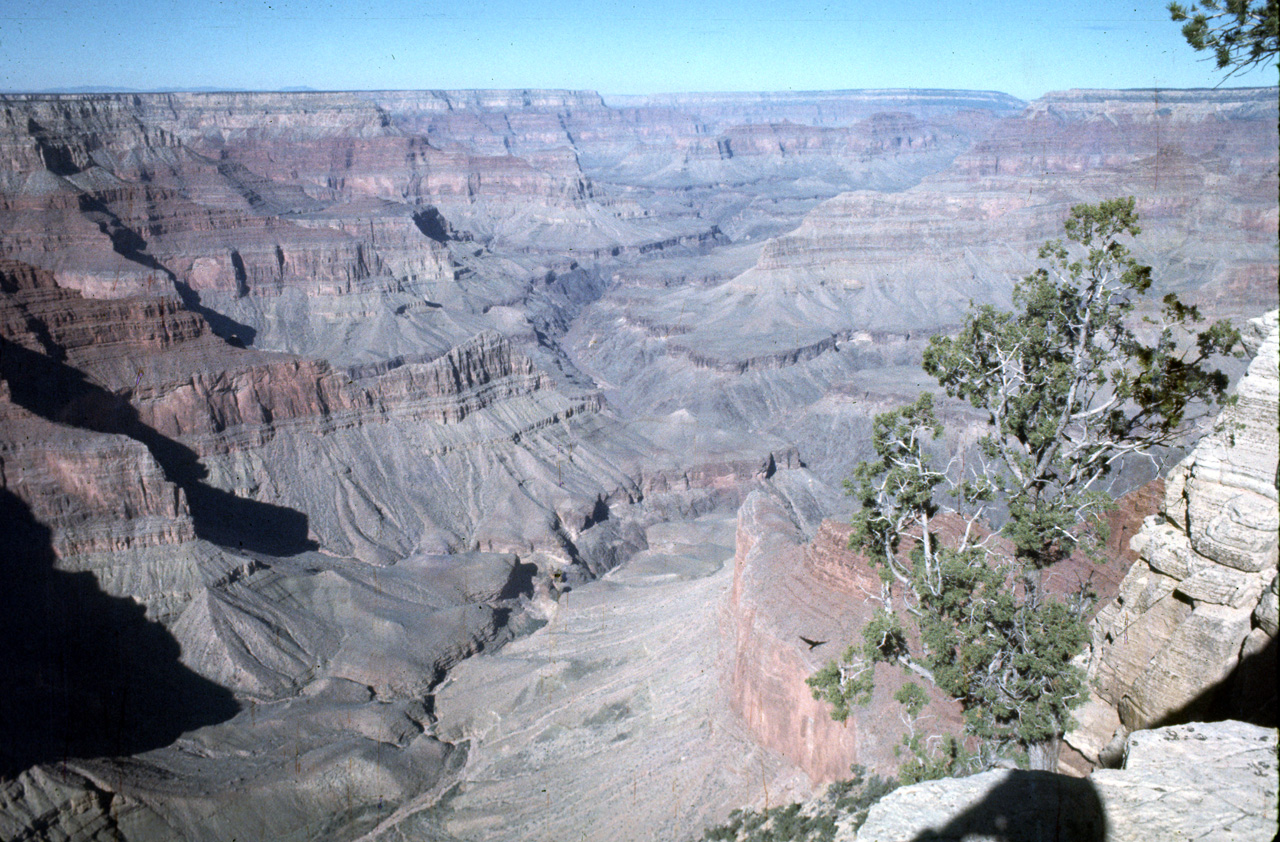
<point>467,465</point>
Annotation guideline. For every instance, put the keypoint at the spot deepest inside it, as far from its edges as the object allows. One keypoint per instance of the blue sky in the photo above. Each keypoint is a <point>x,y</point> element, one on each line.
<point>1023,48</point>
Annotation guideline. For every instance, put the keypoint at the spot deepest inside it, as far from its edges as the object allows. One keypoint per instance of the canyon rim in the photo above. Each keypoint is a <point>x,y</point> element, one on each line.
<point>462,465</point>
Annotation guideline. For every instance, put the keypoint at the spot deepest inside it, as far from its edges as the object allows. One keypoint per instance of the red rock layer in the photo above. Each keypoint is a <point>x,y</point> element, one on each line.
<point>100,493</point>
<point>782,590</point>
<point>785,588</point>
<point>99,393</point>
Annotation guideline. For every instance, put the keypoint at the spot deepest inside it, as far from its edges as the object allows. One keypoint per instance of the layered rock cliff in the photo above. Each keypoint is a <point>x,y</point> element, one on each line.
<point>1192,632</point>
<point>784,591</point>
<point>795,582</point>
<point>309,399</point>
<point>201,414</point>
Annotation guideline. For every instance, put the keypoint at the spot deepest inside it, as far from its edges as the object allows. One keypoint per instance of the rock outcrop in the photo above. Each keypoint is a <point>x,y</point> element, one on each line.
<point>1196,781</point>
<point>1193,629</point>
<point>786,589</point>
<point>317,396</point>
<point>795,578</point>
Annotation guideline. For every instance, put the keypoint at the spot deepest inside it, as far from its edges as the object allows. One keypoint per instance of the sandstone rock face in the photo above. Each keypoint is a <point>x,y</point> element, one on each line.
<point>1197,781</point>
<point>307,400</point>
<point>794,577</point>
<point>1224,496</point>
<point>783,590</point>
<point>1199,600</point>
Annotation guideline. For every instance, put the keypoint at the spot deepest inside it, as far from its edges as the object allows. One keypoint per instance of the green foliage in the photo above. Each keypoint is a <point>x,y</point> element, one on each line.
<point>849,683</point>
<point>844,801</point>
<point>842,685</point>
<point>1012,670</point>
<point>854,797</point>
<point>1068,387</point>
<point>928,759</point>
<point>948,760</point>
<point>1240,33</point>
<point>1069,390</point>
<point>898,477</point>
<point>912,697</point>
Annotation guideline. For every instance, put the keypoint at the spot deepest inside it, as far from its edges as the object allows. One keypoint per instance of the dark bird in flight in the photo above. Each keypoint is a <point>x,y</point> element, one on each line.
<point>812,643</point>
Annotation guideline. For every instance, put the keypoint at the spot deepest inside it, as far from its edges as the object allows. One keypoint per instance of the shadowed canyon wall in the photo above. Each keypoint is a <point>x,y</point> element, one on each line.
<point>343,412</point>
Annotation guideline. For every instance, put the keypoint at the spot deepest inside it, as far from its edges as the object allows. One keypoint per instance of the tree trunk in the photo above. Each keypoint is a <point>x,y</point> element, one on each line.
<point>1043,756</point>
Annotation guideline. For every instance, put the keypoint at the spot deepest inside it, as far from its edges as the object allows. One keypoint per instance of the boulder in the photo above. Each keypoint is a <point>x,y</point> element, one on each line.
<point>1195,781</point>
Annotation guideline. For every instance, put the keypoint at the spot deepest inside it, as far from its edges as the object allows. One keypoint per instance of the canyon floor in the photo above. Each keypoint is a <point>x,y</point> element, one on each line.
<point>467,465</point>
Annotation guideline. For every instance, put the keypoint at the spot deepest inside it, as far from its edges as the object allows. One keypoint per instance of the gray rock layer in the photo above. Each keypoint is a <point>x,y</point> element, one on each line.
<point>341,388</point>
<point>1203,781</point>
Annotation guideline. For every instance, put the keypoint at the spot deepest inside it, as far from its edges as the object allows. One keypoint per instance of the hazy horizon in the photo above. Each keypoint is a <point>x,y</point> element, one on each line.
<point>609,97</point>
<point>1024,49</point>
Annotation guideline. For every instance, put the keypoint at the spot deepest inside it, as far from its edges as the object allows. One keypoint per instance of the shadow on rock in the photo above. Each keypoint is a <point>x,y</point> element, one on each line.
<point>84,674</point>
<point>1030,807</point>
<point>520,583</point>
<point>58,392</point>
<point>237,333</point>
<point>129,244</point>
<point>1248,694</point>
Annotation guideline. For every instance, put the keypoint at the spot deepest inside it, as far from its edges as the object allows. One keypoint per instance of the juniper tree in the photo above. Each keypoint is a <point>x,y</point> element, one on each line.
<point>1070,390</point>
<point>1242,34</point>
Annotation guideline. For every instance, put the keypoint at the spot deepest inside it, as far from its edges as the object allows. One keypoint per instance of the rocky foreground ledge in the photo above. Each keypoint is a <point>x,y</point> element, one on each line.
<point>1191,634</point>
<point>1203,781</point>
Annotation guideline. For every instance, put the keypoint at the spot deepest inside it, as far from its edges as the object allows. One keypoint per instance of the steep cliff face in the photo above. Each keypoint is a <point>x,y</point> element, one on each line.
<point>65,442</point>
<point>785,588</point>
<point>317,396</point>
<point>1193,629</point>
<point>212,424</point>
<point>795,577</point>
<point>100,492</point>
<point>246,194</point>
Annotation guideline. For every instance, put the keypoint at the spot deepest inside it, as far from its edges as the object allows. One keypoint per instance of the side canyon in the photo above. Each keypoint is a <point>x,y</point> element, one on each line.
<point>466,465</point>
